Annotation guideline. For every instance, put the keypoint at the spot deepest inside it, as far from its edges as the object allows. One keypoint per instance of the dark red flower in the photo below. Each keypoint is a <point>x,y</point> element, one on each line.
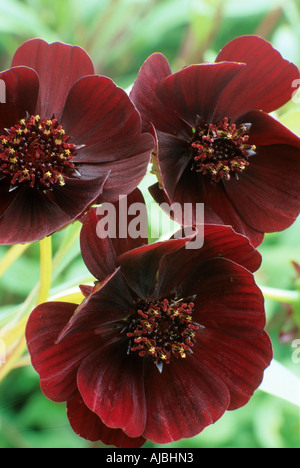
<point>217,144</point>
<point>167,341</point>
<point>67,137</point>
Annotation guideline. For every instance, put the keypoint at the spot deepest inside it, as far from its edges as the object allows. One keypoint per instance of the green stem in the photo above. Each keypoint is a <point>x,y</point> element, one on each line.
<point>45,269</point>
<point>281,295</point>
<point>17,333</point>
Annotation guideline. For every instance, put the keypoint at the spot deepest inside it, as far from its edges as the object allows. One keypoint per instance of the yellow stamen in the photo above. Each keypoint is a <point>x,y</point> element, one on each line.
<point>61,180</point>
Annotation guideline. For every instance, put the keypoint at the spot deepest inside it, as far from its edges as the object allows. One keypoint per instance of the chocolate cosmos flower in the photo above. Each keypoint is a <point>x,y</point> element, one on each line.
<point>67,137</point>
<point>167,341</point>
<point>217,144</point>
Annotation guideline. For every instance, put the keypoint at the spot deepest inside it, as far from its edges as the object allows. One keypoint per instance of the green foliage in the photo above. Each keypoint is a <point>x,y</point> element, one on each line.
<point>119,35</point>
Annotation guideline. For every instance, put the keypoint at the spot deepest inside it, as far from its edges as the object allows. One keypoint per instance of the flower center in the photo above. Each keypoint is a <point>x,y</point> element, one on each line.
<point>36,151</point>
<point>162,329</point>
<point>222,150</point>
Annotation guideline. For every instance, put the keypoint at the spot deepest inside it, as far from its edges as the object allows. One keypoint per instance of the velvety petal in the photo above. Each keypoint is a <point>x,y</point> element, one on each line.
<point>264,84</point>
<point>124,177</point>
<point>6,197</point>
<point>182,400</point>
<point>88,425</point>
<point>112,386</point>
<point>144,97</point>
<point>98,253</point>
<point>181,185</point>
<point>222,205</point>
<point>100,116</point>
<point>58,66</point>
<point>21,92</point>
<point>57,364</point>
<point>103,311</point>
<point>227,298</point>
<point>159,195</point>
<point>194,91</point>
<point>219,242</point>
<point>100,249</point>
<point>173,158</point>
<point>265,130</point>
<point>267,194</point>
<point>240,364</point>
<point>140,266</point>
<point>193,189</point>
<point>222,241</point>
<point>78,194</point>
<point>86,289</point>
<point>30,217</point>
<point>183,195</point>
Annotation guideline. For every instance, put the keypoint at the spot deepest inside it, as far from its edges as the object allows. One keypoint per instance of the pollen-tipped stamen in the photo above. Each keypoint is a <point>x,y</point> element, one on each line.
<point>163,329</point>
<point>37,152</point>
<point>221,150</point>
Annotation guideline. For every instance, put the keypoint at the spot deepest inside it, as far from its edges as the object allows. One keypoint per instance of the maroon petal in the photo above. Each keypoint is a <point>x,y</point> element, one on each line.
<point>219,242</point>
<point>78,194</point>
<point>264,84</point>
<point>94,249</point>
<point>21,92</point>
<point>222,205</point>
<point>100,116</point>
<point>238,363</point>
<point>227,298</point>
<point>31,217</point>
<point>57,364</point>
<point>140,266</point>
<point>173,158</point>
<point>100,250</point>
<point>135,168</point>
<point>182,400</point>
<point>265,130</point>
<point>159,195</point>
<point>6,197</point>
<point>222,241</point>
<point>103,311</point>
<point>86,289</point>
<point>58,66</point>
<point>190,190</point>
<point>193,189</point>
<point>88,425</point>
<point>143,95</point>
<point>180,185</point>
<point>112,386</point>
<point>267,194</point>
<point>193,92</point>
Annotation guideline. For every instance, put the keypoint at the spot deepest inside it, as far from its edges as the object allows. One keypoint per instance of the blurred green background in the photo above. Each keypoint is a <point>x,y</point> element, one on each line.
<point>119,35</point>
